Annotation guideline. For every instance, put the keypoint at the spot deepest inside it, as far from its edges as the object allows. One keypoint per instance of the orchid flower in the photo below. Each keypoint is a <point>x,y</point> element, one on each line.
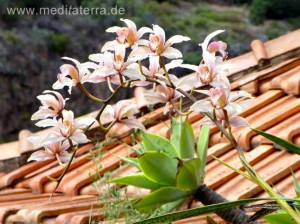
<point>129,36</point>
<point>157,45</point>
<point>162,94</point>
<point>234,119</point>
<point>70,75</point>
<point>123,113</point>
<point>56,150</point>
<point>52,106</point>
<point>220,98</point>
<point>101,70</point>
<point>157,73</point>
<point>115,64</point>
<point>211,65</point>
<point>65,128</point>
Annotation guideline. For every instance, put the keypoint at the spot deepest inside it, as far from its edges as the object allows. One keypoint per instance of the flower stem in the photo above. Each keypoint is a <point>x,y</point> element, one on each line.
<point>60,178</point>
<point>162,64</point>
<point>88,94</point>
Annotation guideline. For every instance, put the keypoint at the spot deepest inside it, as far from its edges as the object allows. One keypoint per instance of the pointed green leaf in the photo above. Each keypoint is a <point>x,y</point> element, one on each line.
<point>159,167</point>
<point>279,218</point>
<point>170,217</point>
<point>296,185</point>
<point>187,140</point>
<point>175,133</point>
<point>280,142</point>
<point>138,180</point>
<point>132,161</point>
<point>234,169</point>
<point>160,197</point>
<point>154,142</point>
<point>173,205</point>
<point>202,148</point>
<point>188,176</point>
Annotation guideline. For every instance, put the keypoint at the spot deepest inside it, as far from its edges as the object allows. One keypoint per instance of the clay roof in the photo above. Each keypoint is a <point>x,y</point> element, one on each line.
<point>271,72</point>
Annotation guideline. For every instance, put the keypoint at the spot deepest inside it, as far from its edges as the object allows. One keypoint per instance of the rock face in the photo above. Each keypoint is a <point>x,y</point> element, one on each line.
<point>30,52</point>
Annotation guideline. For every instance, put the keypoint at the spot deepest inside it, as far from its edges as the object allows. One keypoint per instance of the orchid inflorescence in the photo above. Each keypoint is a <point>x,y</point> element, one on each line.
<point>120,65</point>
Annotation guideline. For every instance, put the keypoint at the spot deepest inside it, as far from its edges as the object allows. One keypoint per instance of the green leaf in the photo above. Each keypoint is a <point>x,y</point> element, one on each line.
<point>154,142</point>
<point>159,167</point>
<point>202,148</point>
<point>188,176</point>
<point>159,197</point>
<point>281,142</point>
<point>187,140</point>
<point>234,169</point>
<point>173,205</point>
<point>170,217</point>
<point>296,185</point>
<point>175,133</point>
<point>132,161</point>
<point>279,218</point>
<point>138,180</point>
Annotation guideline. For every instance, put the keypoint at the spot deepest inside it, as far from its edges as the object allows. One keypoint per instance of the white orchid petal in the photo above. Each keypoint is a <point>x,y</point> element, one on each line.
<point>65,157</point>
<point>188,66</point>
<point>43,113</point>
<point>51,138</point>
<point>235,95</point>
<point>172,53</point>
<point>159,31</point>
<point>174,64</point>
<point>109,46</point>
<point>113,29</point>
<point>177,39</point>
<point>204,45</point>
<point>187,82</point>
<point>77,63</point>
<point>206,120</point>
<point>132,123</point>
<point>143,42</point>
<point>133,74</point>
<point>237,121</point>
<point>46,123</point>
<point>79,138</point>
<point>40,155</point>
<point>140,53</point>
<point>202,106</point>
<point>131,25</point>
<point>83,122</point>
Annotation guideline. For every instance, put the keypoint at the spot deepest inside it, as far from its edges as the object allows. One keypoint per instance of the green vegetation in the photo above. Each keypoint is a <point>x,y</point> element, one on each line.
<point>58,42</point>
<point>10,36</point>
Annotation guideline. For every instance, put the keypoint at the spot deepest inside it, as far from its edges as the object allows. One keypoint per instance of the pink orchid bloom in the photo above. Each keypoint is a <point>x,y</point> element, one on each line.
<point>162,94</point>
<point>123,113</point>
<point>157,45</point>
<point>234,119</point>
<point>52,106</point>
<point>115,64</point>
<point>211,65</point>
<point>216,46</point>
<point>219,98</point>
<point>101,71</point>
<point>65,128</point>
<point>157,73</point>
<point>70,75</point>
<point>56,150</point>
<point>129,36</point>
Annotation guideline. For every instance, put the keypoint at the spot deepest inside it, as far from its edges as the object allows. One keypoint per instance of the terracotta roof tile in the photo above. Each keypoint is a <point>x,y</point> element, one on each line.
<point>270,72</point>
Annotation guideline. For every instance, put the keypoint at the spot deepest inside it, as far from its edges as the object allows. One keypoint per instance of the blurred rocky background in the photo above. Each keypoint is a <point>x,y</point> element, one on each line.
<point>31,46</point>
